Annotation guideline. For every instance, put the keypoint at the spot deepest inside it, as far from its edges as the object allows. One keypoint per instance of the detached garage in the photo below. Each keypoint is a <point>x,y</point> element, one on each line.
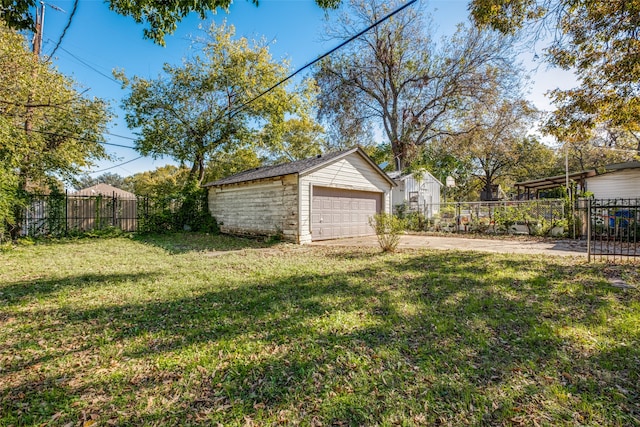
<point>325,197</point>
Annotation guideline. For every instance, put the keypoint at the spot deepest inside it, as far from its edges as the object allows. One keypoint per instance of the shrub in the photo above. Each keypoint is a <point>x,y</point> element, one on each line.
<point>184,211</point>
<point>480,225</point>
<point>388,228</point>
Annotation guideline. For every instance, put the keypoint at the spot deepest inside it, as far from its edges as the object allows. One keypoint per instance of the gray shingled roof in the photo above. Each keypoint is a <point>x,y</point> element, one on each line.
<point>298,167</point>
<point>625,165</point>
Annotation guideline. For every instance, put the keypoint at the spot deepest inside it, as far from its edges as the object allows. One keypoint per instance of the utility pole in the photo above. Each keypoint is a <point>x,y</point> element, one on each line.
<point>39,27</point>
<point>37,47</point>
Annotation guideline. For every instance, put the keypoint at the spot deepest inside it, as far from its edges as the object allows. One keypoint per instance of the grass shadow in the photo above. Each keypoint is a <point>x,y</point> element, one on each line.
<point>418,337</point>
<point>178,243</point>
<point>13,292</point>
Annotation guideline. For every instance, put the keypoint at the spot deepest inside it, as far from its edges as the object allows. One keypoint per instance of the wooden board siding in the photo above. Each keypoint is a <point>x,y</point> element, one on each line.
<point>352,172</point>
<point>263,207</point>
<point>427,190</point>
<point>624,184</point>
<point>337,213</point>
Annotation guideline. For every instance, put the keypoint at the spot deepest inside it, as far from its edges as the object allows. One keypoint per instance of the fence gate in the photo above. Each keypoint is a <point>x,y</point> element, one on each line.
<point>613,229</point>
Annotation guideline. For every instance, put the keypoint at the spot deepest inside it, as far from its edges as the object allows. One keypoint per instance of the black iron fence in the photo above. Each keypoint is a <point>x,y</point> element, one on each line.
<point>612,228</point>
<point>61,214</point>
<point>65,214</point>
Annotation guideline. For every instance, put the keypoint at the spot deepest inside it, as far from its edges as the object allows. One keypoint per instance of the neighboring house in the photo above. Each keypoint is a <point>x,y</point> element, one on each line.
<point>323,197</point>
<point>102,205</point>
<point>620,181</point>
<point>419,191</point>
<point>104,190</point>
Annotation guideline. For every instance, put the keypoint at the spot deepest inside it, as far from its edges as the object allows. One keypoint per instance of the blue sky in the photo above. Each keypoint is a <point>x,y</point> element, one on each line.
<point>99,41</point>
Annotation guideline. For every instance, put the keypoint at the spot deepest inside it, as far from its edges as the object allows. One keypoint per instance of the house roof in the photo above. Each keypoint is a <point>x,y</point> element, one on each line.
<point>398,176</point>
<point>296,167</point>
<point>620,166</point>
<point>554,181</point>
<point>104,190</point>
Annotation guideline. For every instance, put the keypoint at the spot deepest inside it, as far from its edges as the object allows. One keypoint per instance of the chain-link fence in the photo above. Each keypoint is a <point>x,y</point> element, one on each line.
<point>535,217</point>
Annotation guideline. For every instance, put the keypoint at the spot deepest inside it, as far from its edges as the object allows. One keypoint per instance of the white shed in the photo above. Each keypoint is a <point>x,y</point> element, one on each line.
<point>420,191</point>
<point>621,181</point>
<point>323,197</point>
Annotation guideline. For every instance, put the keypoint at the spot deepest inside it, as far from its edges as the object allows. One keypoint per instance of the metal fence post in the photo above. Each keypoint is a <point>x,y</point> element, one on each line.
<point>589,231</point>
<point>66,213</point>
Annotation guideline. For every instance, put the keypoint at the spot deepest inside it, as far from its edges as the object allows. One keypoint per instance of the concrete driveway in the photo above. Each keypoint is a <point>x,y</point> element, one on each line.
<point>516,245</point>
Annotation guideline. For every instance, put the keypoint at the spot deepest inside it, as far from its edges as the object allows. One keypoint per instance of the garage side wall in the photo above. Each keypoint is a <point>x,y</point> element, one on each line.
<point>352,172</point>
<point>260,208</point>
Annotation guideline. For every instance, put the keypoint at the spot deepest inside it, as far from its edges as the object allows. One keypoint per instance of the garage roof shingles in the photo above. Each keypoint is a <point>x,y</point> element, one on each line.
<point>298,166</point>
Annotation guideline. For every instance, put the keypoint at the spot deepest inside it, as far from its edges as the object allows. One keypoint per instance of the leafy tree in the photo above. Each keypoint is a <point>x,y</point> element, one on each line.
<point>164,181</point>
<point>161,17</point>
<point>395,77</point>
<point>497,144</point>
<point>106,178</point>
<point>202,108</point>
<point>227,163</point>
<point>605,146</point>
<point>301,138</point>
<point>48,130</point>
<point>598,40</point>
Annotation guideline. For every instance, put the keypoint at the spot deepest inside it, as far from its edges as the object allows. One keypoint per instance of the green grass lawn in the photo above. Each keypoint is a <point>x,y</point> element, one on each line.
<point>202,330</point>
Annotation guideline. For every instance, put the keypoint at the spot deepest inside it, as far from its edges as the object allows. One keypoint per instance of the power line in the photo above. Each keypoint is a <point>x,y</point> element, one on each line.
<point>64,31</point>
<point>349,40</point>
<point>80,139</point>
<point>121,136</point>
<point>116,166</point>
<point>111,144</point>
<point>86,64</point>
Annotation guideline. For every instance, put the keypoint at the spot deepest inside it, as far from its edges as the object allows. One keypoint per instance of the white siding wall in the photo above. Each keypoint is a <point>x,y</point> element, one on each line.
<point>428,189</point>
<point>624,184</point>
<point>351,172</point>
<point>262,207</point>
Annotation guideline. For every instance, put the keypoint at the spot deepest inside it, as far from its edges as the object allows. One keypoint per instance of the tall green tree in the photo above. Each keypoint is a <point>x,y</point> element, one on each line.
<point>497,143</point>
<point>210,104</point>
<point>605,146</point>
<point>398,79</point>
<point>160,17</point>
<point>227,163</point>
<point>598,40</point>
<point>164,181</point>
<point>48,129</point>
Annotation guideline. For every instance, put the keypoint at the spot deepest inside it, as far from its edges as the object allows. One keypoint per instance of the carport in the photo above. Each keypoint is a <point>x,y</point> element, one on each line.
<point>528,190</point>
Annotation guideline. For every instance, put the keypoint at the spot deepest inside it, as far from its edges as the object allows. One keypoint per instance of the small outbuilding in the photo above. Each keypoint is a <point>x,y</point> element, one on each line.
<point>324,197</point>
<point>417,192</point>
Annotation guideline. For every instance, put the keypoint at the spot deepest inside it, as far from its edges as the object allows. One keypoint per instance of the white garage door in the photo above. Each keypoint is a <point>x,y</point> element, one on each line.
<point>337,213</point>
